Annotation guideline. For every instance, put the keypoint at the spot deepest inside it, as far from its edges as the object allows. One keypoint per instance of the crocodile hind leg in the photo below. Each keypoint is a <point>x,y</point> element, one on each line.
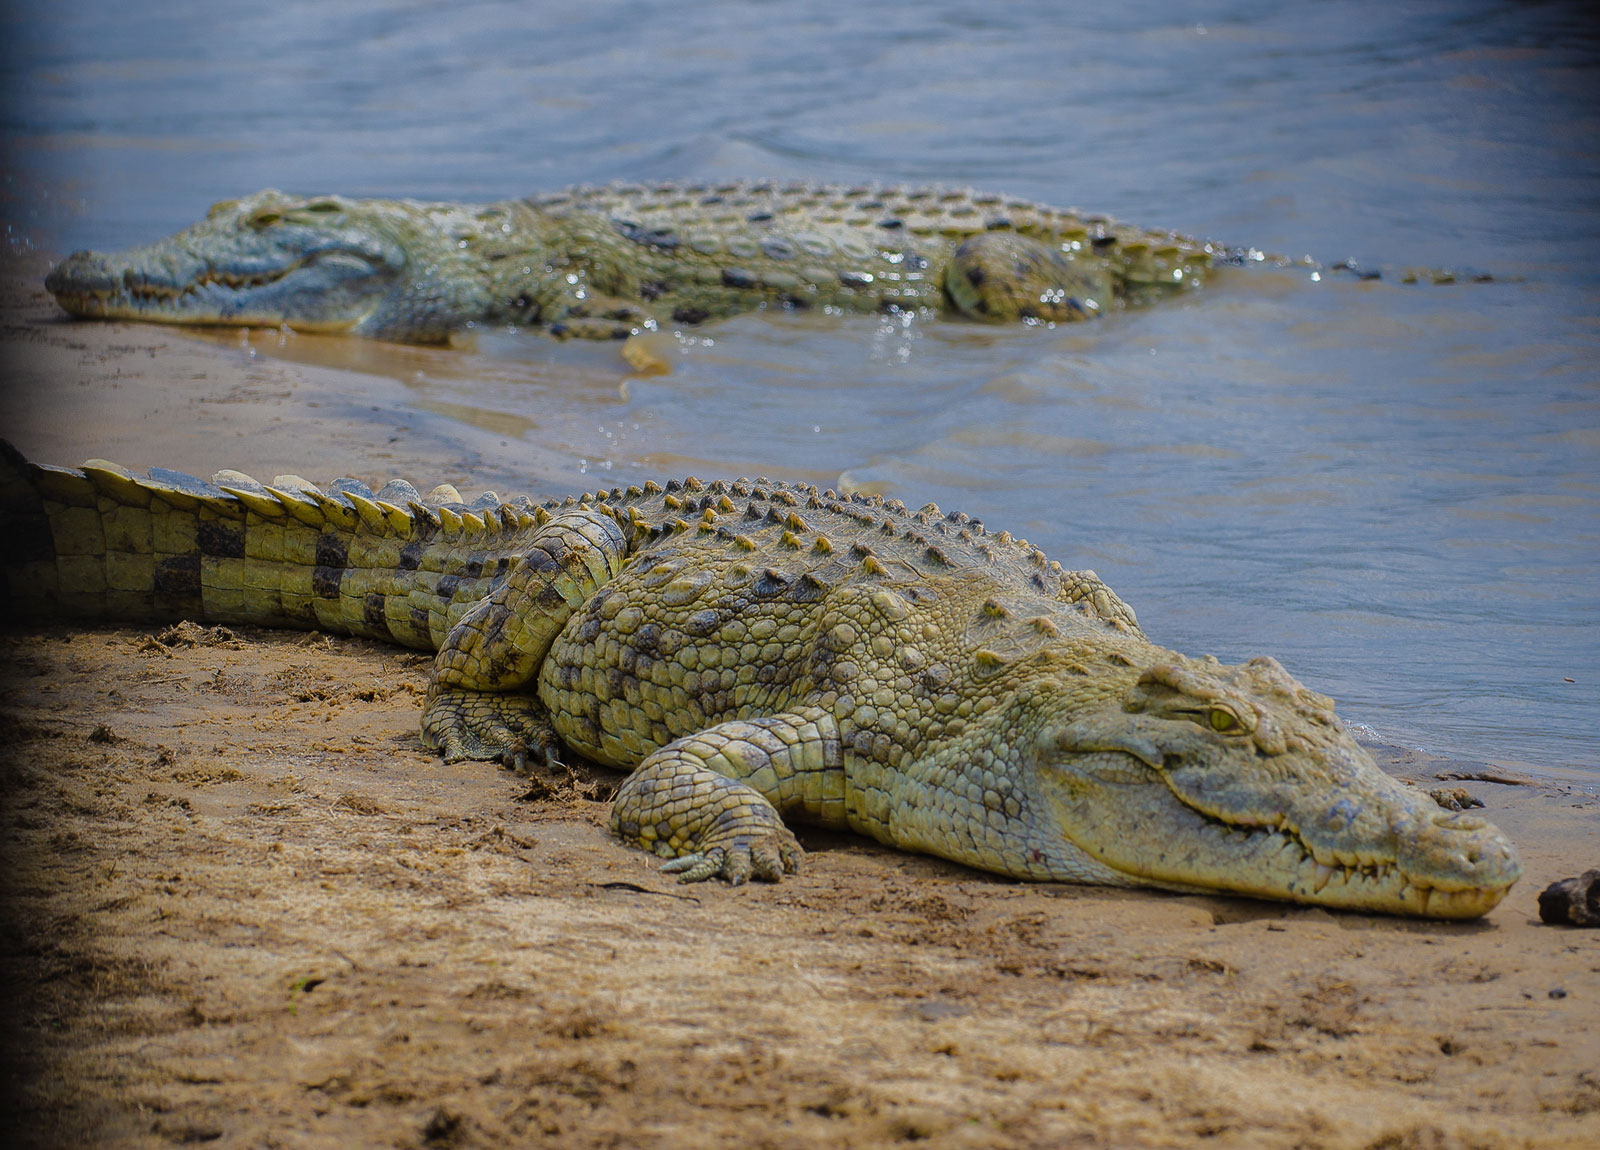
<point>1003,276</point>
<point>711,802</point>
<point>477,706</point>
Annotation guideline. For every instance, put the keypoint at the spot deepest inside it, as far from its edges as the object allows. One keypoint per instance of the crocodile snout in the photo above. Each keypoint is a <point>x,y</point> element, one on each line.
<point>1449,850</point>
<point>81,272</point>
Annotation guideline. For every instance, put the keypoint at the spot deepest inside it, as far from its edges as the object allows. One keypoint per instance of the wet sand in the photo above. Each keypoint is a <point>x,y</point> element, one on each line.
<point>248,909</point>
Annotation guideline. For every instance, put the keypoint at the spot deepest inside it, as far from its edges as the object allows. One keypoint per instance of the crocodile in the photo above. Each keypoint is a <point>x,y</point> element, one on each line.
<point>618,261</point>
<point>757,651</point>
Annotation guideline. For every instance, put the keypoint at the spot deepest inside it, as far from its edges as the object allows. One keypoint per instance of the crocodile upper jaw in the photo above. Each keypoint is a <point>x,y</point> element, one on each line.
<point>326,291</point>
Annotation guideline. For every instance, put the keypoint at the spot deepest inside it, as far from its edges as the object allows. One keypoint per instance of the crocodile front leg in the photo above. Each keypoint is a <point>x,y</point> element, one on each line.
<point>711,802</point>
<point>596,316</point>
<point>476,708</point>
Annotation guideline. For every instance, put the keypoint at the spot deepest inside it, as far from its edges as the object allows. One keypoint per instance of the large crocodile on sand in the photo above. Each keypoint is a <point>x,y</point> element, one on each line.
<point>755,651</point>
<point>617,261</point>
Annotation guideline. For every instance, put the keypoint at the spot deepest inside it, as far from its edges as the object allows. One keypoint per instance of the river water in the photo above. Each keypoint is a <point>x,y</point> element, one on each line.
<point>1394,489</point>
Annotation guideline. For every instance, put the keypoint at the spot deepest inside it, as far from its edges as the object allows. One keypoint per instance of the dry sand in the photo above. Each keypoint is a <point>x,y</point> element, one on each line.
<point>247,909</point>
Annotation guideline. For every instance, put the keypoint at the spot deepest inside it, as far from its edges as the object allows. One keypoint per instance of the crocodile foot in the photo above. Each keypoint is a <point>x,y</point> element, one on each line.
<point>488,726</point>
<point>767,855</point>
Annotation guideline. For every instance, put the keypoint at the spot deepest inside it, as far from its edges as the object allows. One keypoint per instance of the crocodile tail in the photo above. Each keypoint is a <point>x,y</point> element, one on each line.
<point>101,542</point>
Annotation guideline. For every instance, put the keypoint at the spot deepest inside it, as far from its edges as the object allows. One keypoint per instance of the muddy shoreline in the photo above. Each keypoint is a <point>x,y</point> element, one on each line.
<point>248,909</point>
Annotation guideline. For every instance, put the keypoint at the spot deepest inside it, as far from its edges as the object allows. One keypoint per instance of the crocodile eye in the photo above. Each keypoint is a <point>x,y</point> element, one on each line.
<point>1223,721</point>
<point>265,218</point>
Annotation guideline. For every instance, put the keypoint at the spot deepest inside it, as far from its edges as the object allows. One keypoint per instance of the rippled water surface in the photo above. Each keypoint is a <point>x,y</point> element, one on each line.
<point>1394,489</point>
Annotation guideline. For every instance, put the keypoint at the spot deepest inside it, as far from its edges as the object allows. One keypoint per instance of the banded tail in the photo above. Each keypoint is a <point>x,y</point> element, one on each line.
<point>100,542</point>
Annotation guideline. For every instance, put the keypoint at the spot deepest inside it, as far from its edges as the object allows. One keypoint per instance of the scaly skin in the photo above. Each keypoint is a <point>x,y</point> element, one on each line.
<point>756,652</point>
<point>612,262</point>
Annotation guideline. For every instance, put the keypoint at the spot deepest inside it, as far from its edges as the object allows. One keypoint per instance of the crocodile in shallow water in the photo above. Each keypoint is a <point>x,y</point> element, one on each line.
<point>617,261</point>
<point>756,651</point>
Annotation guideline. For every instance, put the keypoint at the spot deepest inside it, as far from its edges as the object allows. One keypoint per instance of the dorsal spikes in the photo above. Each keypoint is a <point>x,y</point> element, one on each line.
<point>257,498</point>
<point>725,505</point>
<point>690,483</point>
<point>930,509</point>
<point>338,486</point>
<point>936,555</point>
<point>994,609</point>
<point>371,514</point>
<point>888,528</point>
<point>861,550</point>
<point>794,523</point>
<point>717,486</point>
<point>674,485</point>
<point>823,545</point>
<point>398,492</point>
<point>651,487</point>
<point>671,502</point>
<point>753,512</point>
<point>635,492</point>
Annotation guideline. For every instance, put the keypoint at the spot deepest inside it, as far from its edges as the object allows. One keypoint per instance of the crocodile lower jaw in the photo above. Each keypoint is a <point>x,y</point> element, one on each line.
<point>1290,870</point>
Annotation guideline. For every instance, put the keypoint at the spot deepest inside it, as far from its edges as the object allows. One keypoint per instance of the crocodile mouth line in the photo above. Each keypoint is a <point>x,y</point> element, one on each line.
<point>1256,840</point>
<point>142,292</point>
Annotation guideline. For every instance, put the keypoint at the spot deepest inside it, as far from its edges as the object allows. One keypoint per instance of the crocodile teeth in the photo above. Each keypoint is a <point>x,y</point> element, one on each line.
<point>1324,875</point>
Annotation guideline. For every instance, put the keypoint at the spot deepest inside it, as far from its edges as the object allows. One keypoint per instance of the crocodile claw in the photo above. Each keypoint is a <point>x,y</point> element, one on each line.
<point>740,862</point>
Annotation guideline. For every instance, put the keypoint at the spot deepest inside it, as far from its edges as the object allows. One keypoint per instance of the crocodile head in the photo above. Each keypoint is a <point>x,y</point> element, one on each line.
<point>386,268</point>
<point>1237,779</point>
